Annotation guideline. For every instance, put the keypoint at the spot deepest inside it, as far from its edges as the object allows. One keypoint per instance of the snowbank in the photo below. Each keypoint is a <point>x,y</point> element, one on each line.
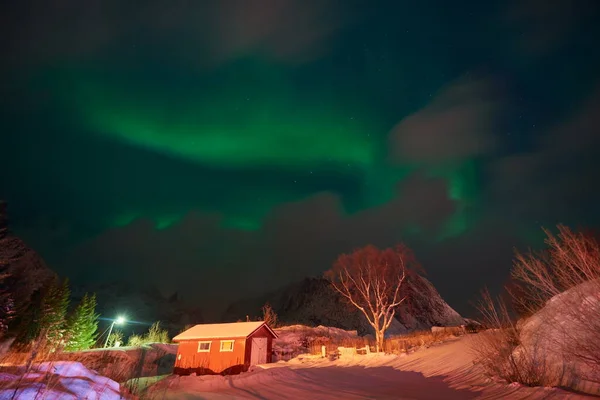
<point>58,380</point>
<point>567,324</point>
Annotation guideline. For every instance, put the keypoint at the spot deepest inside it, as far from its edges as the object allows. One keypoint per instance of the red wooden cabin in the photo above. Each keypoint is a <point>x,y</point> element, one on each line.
<point>223,348</point>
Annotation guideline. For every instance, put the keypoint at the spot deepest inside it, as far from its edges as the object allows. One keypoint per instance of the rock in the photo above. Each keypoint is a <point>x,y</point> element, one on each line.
<point>313,302</point>
<point>23,273</point>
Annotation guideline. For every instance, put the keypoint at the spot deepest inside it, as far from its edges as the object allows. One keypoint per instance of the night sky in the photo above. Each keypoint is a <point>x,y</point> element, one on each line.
<point>225,148</point>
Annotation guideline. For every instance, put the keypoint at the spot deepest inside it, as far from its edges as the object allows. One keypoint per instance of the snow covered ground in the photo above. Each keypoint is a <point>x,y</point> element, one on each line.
<point>442,372</point>
<point>64,380</point>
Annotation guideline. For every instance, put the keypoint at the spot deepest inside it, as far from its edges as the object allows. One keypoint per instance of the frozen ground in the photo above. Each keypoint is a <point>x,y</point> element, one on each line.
<point>442,372</point>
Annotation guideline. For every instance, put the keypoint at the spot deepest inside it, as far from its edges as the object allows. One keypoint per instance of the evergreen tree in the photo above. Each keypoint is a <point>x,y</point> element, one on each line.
<point>52,321</point>
<point>82,325</point>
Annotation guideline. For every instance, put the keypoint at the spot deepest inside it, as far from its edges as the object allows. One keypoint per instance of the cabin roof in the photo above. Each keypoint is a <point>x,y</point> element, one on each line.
<point>216,331</point>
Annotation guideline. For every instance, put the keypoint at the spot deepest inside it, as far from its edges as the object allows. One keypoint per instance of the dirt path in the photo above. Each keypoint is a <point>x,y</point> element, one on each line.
<point>441,372</point>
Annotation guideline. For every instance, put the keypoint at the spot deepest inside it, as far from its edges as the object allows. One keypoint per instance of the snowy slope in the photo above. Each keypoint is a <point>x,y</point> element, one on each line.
<point>568,324</point>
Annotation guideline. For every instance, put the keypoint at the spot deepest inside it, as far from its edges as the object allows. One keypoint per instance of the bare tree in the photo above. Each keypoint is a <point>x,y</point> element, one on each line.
<point>371,280</point>
<point>269,315</point>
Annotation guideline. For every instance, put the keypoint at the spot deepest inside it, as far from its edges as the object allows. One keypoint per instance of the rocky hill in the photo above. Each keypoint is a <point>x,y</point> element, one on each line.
<point>23,275</point>
<point>313,302</point>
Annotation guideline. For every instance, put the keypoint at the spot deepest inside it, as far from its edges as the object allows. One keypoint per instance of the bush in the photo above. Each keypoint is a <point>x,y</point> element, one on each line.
<point>393,345</point>
<point>114,338</point>
<point>154,335</point>
<point>269,315</point>
<point>496,348</point>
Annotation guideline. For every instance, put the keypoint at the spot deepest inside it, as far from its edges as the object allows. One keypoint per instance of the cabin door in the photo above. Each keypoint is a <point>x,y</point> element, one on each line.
<point>258,353</point>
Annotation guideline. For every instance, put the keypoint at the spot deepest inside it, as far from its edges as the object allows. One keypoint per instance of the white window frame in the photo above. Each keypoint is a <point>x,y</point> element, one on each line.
<point>227,341</point>
<point>204,350</point>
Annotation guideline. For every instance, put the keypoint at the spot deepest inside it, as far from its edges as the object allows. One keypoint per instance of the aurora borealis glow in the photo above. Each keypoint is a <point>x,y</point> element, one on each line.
<point>240,137</point>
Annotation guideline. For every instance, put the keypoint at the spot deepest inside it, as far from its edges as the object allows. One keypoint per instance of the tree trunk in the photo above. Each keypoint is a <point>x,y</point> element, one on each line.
<point>379,340</point>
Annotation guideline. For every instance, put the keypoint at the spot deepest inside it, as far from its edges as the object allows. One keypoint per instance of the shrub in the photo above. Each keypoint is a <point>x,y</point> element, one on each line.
<point>269,315</point>
<point>154,335</point>
<point>114,338</point>
<point>496,348</point>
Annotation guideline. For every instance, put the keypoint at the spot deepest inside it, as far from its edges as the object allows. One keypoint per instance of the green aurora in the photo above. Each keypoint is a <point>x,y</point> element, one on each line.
<point>269,124</point>
<point>227,127</point>
<point>250,144</point>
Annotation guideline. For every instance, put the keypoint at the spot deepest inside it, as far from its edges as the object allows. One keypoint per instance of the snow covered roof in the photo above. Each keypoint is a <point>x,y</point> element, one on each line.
<point>215,331</point>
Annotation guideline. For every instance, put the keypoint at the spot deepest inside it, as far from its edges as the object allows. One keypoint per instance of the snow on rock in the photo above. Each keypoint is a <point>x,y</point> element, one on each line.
<point>314,302</point>
<point>59,380</point>
<point>423,309</point>
<point>563,327</point>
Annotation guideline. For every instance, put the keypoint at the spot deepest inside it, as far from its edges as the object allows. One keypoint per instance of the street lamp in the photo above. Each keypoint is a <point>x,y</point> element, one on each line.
<point>120,320</point>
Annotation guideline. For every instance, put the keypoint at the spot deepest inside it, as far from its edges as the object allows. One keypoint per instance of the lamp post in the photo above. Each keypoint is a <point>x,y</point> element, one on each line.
<point>118,321</point>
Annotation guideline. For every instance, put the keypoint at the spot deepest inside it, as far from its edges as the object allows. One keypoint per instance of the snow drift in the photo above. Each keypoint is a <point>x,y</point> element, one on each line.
<point>62,380</point>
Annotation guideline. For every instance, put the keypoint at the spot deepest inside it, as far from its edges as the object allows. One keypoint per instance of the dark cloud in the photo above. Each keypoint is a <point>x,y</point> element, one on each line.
<point>202,33</point>
<point>557,181</point>
<point>285,30</point>
<point>457,124</point>
<point>209,263</point>
<point>461,266</point>
<point>542,27</point>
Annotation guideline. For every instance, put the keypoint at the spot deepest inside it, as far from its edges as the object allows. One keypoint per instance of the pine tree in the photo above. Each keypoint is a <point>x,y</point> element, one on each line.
<point>82,325</point>
<point>52,323</point>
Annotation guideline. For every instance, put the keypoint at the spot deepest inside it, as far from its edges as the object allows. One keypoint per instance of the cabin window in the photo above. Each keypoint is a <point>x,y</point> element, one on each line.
<point>203,347</point>
<point>227,345</point>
